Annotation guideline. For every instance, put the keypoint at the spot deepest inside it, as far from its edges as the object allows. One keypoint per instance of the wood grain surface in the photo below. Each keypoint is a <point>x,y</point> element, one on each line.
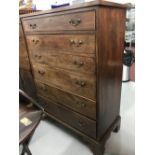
<point>79,84</point>
<point>76,120</point>
<point>72,101</point>
<point>62,43</point>
<point>77,21</point>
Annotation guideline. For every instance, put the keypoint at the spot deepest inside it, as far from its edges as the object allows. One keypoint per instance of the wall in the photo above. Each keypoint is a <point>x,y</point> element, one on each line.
<point>46,4</point>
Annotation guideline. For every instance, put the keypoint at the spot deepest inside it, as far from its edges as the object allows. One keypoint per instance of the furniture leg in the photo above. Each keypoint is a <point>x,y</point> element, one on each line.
<point>98,149</point>
<point>117,126</point>
<point>44,116</point>
<point>26,150</point>
<point>23,151</point>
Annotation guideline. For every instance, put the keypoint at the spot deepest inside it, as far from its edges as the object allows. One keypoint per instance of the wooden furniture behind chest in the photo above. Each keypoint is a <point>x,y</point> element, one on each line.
<point>76,57</point>
<point>25,73</point>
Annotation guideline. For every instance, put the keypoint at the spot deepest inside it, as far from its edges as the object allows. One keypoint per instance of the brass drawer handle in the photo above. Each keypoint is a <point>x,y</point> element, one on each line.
<point>80,104</point>
<point>35,41</point>
<point>81,123</point>
<point>41,72</point>
<point>38,56</point>
<point>75,22</point>
<point>76,42</point>
<point>72,42</point>
<point>33,26</point>
<point>79,64</point>
<point>81,83</point>
<point>80,42</point>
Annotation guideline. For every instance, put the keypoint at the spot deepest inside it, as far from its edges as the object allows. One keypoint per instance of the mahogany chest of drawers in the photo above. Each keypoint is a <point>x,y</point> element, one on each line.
<point>76,58</point>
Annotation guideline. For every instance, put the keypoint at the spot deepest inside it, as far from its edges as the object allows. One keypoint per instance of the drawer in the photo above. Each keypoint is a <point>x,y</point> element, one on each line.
<point>23,56</point>
<point>80,84</point>
<point>78,104</point>
<point>74,119</point>
<point>75,21</point>
<point>64,61</point>
<point>62,43</point>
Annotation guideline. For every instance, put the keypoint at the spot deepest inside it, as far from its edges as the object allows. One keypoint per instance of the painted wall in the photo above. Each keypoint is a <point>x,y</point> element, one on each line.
<point>46,4</point>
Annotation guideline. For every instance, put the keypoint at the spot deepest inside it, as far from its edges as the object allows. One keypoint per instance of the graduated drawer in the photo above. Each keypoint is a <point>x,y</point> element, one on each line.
<point>74,21</point>
<point>78,104</point>
<point>80,84</point>
<point>23,56</point>
<point>70,117</point>
<point>65,61</point>
<point>62,43</point>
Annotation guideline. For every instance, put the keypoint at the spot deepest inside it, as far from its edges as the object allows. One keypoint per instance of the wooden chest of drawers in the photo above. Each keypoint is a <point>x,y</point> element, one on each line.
<point>76,58</point>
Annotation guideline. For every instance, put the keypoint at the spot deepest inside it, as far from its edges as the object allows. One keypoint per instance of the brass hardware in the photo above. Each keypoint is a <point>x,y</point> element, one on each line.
<point>80,104</point>
<point>72,41</point>
<point>41,72</point>
<point>80,42</point>
<point>81,83</point>
<point>79,64</point>
<point>35,41</point>
<point>76,42</point>
<point>33,26</point>
<point>38,56</point>
<point>81,123</point>
<point>75,22</point>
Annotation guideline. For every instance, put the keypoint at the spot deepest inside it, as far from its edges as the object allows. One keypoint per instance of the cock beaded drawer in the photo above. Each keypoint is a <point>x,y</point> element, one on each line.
<point>76,58</point>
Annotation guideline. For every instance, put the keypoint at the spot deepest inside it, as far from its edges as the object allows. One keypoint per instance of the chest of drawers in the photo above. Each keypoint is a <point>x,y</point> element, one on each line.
<point>76,58</point>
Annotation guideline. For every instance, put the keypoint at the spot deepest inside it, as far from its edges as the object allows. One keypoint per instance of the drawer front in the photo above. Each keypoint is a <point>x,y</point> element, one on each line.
<point>75,21</point>
<point>23,56</point>
<point>78,104</point>
<point>74,119</point>
<point>62,43</point>
<point>84,85</point>
<point>64,61</point>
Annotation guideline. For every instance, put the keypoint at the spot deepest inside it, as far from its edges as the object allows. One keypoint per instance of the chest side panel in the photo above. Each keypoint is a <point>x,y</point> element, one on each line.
<point>110,38</point>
